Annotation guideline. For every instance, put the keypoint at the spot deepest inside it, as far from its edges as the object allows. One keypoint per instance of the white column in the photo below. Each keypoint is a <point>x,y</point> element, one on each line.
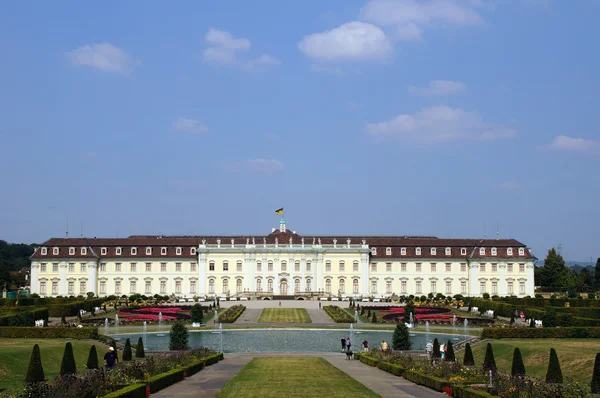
<point>502,288</point>
<point>247,266</point>
<point>92,285</point>
<point>364,278</point>
<point>201,275</point>
<point>34,283</point>
<point>276,274</point>
<point>473,291</point>
<point>62,287</point>
<point>303,270</point>
<point>319,272</point>
<point>291,283</point>
<point>530,284</point>
<point>252,269</point>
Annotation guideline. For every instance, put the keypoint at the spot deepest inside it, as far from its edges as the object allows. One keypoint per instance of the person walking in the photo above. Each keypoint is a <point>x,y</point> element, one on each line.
<point>343,344</point>
<point>348,343</point>
<point>110,359</point>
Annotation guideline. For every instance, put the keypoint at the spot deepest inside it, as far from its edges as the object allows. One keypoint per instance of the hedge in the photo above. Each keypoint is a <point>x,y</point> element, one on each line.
<point>194,368</point>
<point>337,314</point>
<point>23,318</point>
<point>396,370</point>
<point>164,380</point>
<point>466,392</point>
<point>435,383</point>
<point>7,302</point>
<point>137,390</point>
<point>72,308</point>
<point>231,314</point>
<point>48,333</point>
<point>541,333</point>
<point>210,360</point>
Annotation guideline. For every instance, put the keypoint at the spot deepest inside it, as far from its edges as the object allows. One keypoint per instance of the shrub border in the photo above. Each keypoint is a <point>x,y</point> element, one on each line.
<point>541,333</point>
<point>347,319</point>
<point>26,332</point>
<point>137,390</point>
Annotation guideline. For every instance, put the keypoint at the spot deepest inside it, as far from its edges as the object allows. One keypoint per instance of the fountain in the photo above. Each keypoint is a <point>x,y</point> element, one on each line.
<point>145,330</point>
<point>411,324</point>
<point>117,326</point>
<point>466,322</point>
<point>160,321</point>
<point>455,335</point>
<point>105,325</point>
<point>426,330</point>
<point>355,316</point>
<point>221,337</point>
<point>351,337</point>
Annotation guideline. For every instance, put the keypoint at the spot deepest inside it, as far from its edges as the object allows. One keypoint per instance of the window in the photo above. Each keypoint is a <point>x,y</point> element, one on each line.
<point>193,251</point>
<point>132,286</point>
<point>163,267</point>
<point>84,251</point>
<point>448,267</point>
<point>225,266</point>
<point>270,285</point>
<point>418,266</point>
<point>133,267</point>
<point>388,251</point>
<point>433,251</point>
<point>238,285</point>
<point>297,266</point>
<point>117,287</point>
<point>103,251</point>
<point>355,266</point>
<point>308,266</point>
<point>102,267</point>
<point>510,287</point>
<point>148,267</point>
<point>403,267</point>
<point>83,267</point>
<point>296,285</point>
<point>43,267</point>
<point>509,267</point>
<point>403,287</point>
<point>163,287</point>
<point>373,286</point>
<point>148,288</point>
<point>82,288</point>
<point>482,268</point>
<point>388,287</point>
<point>342,286</point>
<point>55,251</point>
<point>118,251</point>
<point>163,251</point>
<point>148,251</point>
<point>433,287</point>
<point>494,267</point>
<point>211,266</point>
<point>374,251</point>
<point>134,251</point>
<point>448,251</point>
<point>463,287</point>
<point>259,285</point>
<point>494,287</point>
<point>448,287</point>
<point>419,289</point>
<point>192,267</point>
<point>418,251</point>
<point>482,287</point>
<point>328,266</point>
<point>270,266</point>
<point>521,251</point>
<point>355,286</point>
<point>463,251</point>
<point>211,286</point>
<point>102,287</point>
<point>521,287</point>
<point>388,267</point>
<point>177,267</point>
<point>494,251</point>
<point>327,285</point>
<point>482,251</point>
<point>259,266</point>
<point>463,267</point>
<point>44,252</point>
<point>521,267</point>
<point>403,251</point>
<point>225,286</point>
<point>509,251</point>
<point>308,288</point>
<point>178,251</point>
<point>433,267</point>
<point>374,267</point>
<point>70,287</point>
<point>55,267</point>
<point>193,287</point>
<point>284,266</point>
<point>342,266</point>
<point>178,287</point>
<point>71,251</point>
<point>55,287</point>
<point>43,287</point>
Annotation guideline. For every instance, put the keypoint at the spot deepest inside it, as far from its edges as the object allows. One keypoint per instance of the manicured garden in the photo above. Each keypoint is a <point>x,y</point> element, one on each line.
<point>284,315</point>
<point>293,377</point>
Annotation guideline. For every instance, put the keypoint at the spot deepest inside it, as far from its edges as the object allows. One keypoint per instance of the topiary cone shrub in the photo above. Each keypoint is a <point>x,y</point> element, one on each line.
<point>401,339</point>
<point>373,318</point>
<point>596,376</point>
<point>139,349</point>
<point>518,367</point>
<point>468,360</point>
<point>127,351</point>
<point>436,349</point>
<point>489,363</point>
<point>35,371</point>
<point>554,374</point>
<point>67,365</point>
<point>450,357</point>
<point>92,361</point>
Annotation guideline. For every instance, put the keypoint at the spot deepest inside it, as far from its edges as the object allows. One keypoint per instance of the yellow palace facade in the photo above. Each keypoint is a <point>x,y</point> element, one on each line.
<point>282,263</point>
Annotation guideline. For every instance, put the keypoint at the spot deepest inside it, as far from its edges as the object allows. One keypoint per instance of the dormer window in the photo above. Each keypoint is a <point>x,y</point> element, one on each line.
<point>388,251</point>
<point>55,251</point>
<point>163,251</point>
<point>374,251</point>
<point>84,251</point>
<point>103,251</point>
<point>71,251</point>
<point>118,251</point>
<point>448,251</point>
<point>134,251</point>
<point>44,251</point>
<point>494,251</point>
<point>433,251</point>
<point>521,251</point>
<point>509,251</point>
<point>403,251</point>
<point>148,251</point>
<point>482,251</point>
<point>193,251</point>
<point>463,251</point>
<point>418,251</point>
<point>178,251</point>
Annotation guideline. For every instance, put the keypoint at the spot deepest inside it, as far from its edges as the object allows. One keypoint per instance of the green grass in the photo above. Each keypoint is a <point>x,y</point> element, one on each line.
<point>293,377</point>
<point>576,356</point>
<point>15,354</point>
<point>284,315</point>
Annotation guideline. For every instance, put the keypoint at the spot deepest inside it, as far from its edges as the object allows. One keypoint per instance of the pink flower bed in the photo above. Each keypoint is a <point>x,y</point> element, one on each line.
<point>146,317</point>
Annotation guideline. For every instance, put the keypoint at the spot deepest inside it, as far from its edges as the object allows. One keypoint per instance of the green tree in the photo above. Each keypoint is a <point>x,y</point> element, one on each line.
<point>139,349</point>
<point>196,313</point>
<point>468,359</point>
<point>401,339</point>
<point>518,367</point>
<point>67,365</point>
<point>596,376</point>
<point>127,351</point>
<point>373,317</point>
<point>35,371</point>
<point>597,275</point>
<point>450,357</point>
<point>436,349</point>
<point>554,271</point>
<point>489,363</point>
<point>178,337</point>
<point>554,374</point>
<point>92,361</point>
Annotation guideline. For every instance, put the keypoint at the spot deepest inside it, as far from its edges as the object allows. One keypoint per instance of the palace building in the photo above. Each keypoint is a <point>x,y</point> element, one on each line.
<point>282,263</point>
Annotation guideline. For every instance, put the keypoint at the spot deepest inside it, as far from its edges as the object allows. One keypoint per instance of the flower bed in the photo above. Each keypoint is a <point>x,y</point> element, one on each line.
<point>337,314</point>
<point>424,314</point>
<point>231,314</point>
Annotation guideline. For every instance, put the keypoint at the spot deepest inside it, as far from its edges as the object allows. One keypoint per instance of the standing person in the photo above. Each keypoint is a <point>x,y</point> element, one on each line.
<point>442,350</point>
<point>110,359</point>
<point>522,315</point>
<point>319,305</point>
<point>429,348</point>
<point>365,346</point>
<point>343,344</point>
<point>384,346</point>
<point>348,343</point>
<point>280,303</point>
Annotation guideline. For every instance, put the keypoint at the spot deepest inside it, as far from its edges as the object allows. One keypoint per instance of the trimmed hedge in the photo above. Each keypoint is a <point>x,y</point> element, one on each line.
<point>23,318</point>
<point>137,390</point>
<point>231,314</point>
<point>164,380</point>
<point>337,314</point>
<point>394,369</point>
<point>541,333</point>
<point>194,368</point>
<point>210,360</point>
<point>72,308</point>
<point>48,333</point>
<point>7,302</point>
<point>435,383</point>
<point>466,392</point>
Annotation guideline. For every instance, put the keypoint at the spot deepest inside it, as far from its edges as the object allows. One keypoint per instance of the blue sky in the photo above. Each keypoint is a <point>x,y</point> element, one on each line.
<point>360,117</point>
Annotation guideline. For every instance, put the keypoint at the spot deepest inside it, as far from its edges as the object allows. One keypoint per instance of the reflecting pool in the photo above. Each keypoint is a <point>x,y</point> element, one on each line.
<point>280,340</point>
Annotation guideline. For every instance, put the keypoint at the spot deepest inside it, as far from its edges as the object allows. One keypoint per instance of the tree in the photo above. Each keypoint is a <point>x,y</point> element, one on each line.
<point>596,375</point>
<point>468,360</point>
<point>518,367</point>
<point>597,274</point>
<point>450,357</point>
<point>553,273</point>
<point>436,349</point>
<point>401,339</point>
<point>178,337</point>
<point>67,365</point>
<point>139,349</point>
<point>549,318</point>
<point>127,351</point>
<point>196,313</point>
<point>35,371</point>
<point>374,317</point>
<point>554,374</point>
<point>489,363</point>
<point>92,361</point>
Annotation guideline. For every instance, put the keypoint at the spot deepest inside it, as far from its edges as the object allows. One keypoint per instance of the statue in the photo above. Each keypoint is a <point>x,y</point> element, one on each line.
<point>319,241</point>
<point>291,240</point>
<point>348,242</point>
<point>276,241</point>
<point>313,241</point>
<point>302,241</point>
<point>253,242</point>
<point>247,241</point>
<point>204,241</point>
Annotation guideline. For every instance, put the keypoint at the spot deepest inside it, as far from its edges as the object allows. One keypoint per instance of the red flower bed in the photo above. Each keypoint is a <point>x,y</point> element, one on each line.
<point>134,314</point>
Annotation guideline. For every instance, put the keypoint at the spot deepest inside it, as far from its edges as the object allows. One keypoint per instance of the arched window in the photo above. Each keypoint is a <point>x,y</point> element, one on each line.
<point>355,286</point>
<point>296,285</point>
<point>308,287</point>
<point>225,286</point>
<point>259,285</point>
<point>270,285</point>
<point>342,286</point>
<point>211,286</point>
<point>238,286</point>
<point>327,285</point>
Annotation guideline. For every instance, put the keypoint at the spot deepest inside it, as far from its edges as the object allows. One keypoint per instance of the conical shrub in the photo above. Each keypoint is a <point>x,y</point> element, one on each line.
<point>35,371</point>
<point>518,367</point>
<point>554,374</point>
<point>489,363</point>
<point>450,357</point>
<point>92,361</point>
<point>468,360</point>
<point>139,349</point>
<point>127,351</point>
<point>67,365</point>
<point>436,349</point>
<point>596,376</point>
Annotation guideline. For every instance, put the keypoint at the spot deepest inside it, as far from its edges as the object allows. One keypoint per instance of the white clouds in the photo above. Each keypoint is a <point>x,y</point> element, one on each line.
<point>188,125</point>
<point>261,165</point>
<point>263,62</point>
<point>350,41</point>
<point>103,56</point>
<point>570,144</point>
<point>223,47</point>
<point>439,87</point>
<point>438,124</point>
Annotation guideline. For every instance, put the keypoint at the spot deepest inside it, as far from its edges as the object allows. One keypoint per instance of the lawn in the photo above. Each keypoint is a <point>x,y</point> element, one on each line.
<point>576,356</point>
<point>284,315</point>
<point>293,377</point>
<point>15,354</point>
